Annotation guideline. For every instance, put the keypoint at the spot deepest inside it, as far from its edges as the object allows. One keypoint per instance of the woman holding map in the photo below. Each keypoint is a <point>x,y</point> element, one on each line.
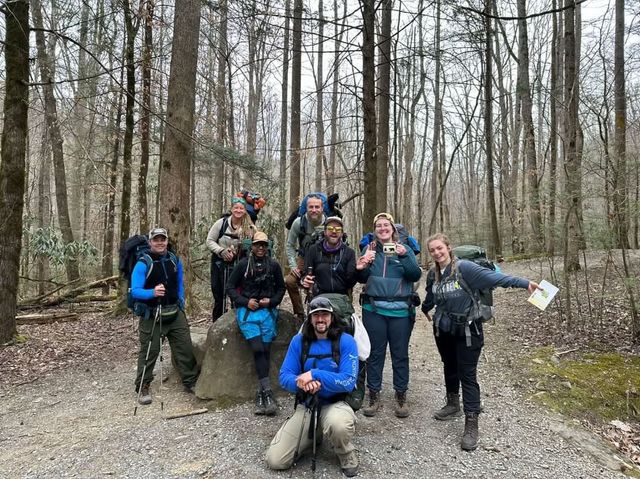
<point>453,287</point>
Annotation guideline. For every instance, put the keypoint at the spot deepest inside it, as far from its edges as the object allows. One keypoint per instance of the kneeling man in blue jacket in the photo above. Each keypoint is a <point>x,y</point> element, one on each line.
<point>321,368</point>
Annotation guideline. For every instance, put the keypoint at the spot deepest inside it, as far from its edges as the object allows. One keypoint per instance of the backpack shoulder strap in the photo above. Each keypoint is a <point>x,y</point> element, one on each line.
<point>304,353</point>
<point>223,227</point>
<point>467,289</point>
<point>148,261</point>
<point>335,349</point>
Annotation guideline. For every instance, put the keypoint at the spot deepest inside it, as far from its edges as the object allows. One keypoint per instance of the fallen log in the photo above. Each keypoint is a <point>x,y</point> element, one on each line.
<point>46,318</point>
<point>65,297</point>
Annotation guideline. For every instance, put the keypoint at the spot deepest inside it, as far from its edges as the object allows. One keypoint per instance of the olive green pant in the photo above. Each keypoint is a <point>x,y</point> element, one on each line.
<point>179,336</point>
<point>337,424</point>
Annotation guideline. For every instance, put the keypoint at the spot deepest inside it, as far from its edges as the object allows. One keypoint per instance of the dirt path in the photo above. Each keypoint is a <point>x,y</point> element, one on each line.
<point>79,423</point>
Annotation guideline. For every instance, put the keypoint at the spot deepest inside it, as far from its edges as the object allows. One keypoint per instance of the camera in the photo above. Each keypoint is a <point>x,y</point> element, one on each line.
<point>389,249</point>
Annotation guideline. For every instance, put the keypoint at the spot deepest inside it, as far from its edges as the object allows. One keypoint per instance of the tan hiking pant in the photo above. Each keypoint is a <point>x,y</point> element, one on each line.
<point>337,425</point>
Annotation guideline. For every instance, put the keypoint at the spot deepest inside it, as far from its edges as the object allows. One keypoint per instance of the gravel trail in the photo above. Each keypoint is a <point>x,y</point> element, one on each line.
<point>79,423</point>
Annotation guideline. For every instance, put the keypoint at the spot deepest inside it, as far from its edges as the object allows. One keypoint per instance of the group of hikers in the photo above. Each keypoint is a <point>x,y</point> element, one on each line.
<point>321,366</point>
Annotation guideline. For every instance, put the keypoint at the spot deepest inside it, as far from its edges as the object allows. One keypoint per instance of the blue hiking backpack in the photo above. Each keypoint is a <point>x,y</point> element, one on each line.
<point>403,237</point>
<point>330,207</point>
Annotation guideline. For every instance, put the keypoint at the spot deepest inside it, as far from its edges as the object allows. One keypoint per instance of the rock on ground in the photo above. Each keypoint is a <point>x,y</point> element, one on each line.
<point>79,423</point>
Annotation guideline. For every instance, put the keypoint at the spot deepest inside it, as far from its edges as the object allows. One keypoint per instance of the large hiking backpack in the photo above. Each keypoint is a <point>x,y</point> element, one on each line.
<point>483,297</point>
<point>330,207</point>
<point>255,202</point>
<point>136,248</point>
<point>351,324</point>
<point>355,398</point>
<point>403,237</point>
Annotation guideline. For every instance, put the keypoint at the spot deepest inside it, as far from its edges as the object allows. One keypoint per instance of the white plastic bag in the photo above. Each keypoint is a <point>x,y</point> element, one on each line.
<point>361,337</point>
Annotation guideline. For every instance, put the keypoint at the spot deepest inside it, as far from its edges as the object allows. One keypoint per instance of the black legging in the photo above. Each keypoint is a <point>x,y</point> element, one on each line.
<point>261,356</point>
<point>218,284</point>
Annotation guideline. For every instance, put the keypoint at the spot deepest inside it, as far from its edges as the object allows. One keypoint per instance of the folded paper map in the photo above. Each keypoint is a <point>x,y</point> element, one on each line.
<point>542,297</point>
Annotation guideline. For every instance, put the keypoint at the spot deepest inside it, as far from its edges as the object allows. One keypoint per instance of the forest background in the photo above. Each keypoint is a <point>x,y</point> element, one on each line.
<point>509,124</point>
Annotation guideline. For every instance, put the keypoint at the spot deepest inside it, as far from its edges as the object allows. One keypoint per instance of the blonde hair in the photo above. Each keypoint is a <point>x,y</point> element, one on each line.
<point>445,239</point>
<point>246,229</point>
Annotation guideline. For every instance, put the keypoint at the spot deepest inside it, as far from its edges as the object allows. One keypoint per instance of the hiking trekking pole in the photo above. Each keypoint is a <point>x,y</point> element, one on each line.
<point>315,411</point>
<point>161,360</point>
<point>225,278</point>
<point>146,360</point>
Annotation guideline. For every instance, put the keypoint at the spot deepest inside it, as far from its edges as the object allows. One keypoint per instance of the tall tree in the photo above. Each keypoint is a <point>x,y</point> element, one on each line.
<point>437,161</point>
<point>384,99</point>
<point>145,116</point>
<point>221,100</point>
<point>320,155</point>
<point>495,245</point>
<point>369,113</point>
<point>620,173</point>
<point>296,89</point>
<point>572,173</point>
<point>178,145</point>
<point>524,91</point>
<point>337,39</point>
<point>553,133</point>
<point>131,27</point>
<point>13,153</point>
<point>45,62</point>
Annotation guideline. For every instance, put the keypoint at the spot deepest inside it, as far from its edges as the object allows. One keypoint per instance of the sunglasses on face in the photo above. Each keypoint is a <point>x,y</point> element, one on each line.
<point>260,245</point>
<point>334,229</point>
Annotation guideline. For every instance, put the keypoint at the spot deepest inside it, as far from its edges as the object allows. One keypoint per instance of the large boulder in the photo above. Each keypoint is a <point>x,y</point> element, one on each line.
<point>228,370</point>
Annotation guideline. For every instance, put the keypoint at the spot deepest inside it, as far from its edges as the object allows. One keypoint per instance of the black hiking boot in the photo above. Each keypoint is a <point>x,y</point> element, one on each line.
<point>144,397</point>
<point>401,409</point>
<point>374,404</point>
<point>259,409</point>
<point>270,404</point>
<point>470,435</point>
<point>450,410</point>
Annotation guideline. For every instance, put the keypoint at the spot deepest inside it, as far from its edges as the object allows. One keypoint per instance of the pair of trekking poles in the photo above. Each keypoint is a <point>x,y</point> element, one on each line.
<point>156,320</point>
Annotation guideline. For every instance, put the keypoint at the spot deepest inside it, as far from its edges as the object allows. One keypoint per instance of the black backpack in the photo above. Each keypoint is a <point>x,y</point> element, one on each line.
<point>355,398</point>
<point>136,248</point>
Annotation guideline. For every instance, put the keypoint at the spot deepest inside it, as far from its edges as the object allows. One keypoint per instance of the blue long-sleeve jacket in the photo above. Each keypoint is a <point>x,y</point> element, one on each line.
<point>334,378</point>
<point>139,278</point>
<point>387,278</point>
<point>450,298</point>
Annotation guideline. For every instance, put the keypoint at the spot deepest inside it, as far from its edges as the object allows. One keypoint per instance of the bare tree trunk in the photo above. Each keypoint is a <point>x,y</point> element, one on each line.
<point>620,172</point>
<point>51,114</point>
<point>296,86</point>
<point>384,98</point>
<point>495,248</point>
<point>115,120</point>
<point>125,202</point>
<point>178,145</point>
<point>13,154</point>
<point>321,159</point>
<point>572,172</point>
<point>553,135</point>
<point>338,34</point>
<point>369,113</point>
<point>421,169</point>
<point>221,100</point>
<point>145,116</point>
<point>284,122</point>
<point>44,207</point>
<point>437,121</point>
<point>524,90</point>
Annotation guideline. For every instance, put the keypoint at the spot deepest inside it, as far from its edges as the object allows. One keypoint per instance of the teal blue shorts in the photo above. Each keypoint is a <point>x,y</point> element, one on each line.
<point>261,322</point>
